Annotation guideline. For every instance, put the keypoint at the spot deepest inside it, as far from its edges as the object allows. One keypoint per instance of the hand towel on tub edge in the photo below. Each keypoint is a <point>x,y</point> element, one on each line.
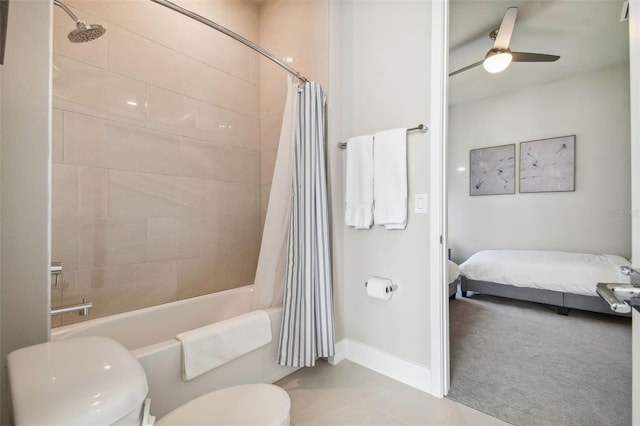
<point>211,346</point>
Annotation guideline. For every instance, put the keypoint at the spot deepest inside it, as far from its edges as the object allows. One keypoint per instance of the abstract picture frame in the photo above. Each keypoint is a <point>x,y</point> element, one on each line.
<point>492,170</point>
<point>548,165</point>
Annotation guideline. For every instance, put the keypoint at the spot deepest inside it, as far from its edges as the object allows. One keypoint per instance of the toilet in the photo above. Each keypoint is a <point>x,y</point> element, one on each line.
<point>96,381</point>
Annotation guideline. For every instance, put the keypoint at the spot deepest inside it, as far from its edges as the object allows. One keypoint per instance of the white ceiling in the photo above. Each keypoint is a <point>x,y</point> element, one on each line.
<point>587,34</point>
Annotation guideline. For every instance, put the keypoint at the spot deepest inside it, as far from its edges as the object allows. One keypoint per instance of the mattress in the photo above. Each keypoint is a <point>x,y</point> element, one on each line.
<point>566,272</point>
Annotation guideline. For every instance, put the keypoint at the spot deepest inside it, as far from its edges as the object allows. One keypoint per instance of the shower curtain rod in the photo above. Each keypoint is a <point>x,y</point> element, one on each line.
<point>231,34</point>
<point>420,127</point>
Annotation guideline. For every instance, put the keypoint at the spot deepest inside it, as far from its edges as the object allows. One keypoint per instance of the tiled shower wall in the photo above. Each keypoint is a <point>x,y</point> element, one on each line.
<point>156,155</point>
<point>165,137</point>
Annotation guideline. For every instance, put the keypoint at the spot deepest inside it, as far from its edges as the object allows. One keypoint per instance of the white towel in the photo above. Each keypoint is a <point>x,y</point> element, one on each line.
<point>208,347</point>
<point>390,179</point>
<point>359,182</point>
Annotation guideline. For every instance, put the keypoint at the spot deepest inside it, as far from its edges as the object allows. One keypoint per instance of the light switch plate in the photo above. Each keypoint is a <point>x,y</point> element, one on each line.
<point>421,203</point>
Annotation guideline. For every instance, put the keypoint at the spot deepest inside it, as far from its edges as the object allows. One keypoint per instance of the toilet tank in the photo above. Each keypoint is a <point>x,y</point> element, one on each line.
<point>78,381</point>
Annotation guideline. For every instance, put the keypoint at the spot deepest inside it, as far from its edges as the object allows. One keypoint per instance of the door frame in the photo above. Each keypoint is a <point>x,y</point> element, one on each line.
<point>634,92</point>
<point>438,296</point>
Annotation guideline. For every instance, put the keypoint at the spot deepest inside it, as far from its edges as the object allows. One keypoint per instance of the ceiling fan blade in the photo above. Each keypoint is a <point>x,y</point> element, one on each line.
<point>468,67</point>
<point>533,57</point>
<point>506,29</point>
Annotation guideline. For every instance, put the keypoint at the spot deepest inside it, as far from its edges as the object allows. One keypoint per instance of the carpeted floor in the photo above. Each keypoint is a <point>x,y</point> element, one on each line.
<point>525,364</point>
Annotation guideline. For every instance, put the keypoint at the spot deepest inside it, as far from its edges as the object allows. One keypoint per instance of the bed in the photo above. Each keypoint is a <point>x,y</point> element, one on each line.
<point>453,278</point>
<point>562,279</point>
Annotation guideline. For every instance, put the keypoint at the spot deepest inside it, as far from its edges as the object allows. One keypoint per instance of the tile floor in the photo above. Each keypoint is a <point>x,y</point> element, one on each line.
<point>349,394</point>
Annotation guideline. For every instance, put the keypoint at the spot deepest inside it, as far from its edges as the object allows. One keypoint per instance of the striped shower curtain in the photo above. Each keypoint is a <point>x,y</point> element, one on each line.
<point>307,324</point>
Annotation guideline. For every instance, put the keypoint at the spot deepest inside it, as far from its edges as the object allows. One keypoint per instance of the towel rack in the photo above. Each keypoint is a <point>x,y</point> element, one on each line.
<point>419,127</point>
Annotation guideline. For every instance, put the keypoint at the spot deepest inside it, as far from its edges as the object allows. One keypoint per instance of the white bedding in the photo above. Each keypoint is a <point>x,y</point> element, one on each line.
<point>550,270</point>
<point>452,272</point>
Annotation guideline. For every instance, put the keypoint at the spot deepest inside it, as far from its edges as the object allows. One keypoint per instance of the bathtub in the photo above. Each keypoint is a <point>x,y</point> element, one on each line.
<point>149,334</point>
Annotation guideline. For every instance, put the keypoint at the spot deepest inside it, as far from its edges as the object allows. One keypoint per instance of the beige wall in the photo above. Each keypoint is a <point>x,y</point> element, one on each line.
<point>156,152</point>
<point>596,217</point>
<point>384,72</point>
<point>25,181</point>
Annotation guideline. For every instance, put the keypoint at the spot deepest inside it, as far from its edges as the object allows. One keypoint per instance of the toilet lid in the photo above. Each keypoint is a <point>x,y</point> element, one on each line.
<point>257,404</point>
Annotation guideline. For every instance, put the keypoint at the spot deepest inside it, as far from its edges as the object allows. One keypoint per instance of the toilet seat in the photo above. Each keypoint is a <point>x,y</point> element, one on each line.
<point>256,404</point>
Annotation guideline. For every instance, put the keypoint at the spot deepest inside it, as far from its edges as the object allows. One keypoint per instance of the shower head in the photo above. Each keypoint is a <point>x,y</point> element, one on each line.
<point>83,32</point>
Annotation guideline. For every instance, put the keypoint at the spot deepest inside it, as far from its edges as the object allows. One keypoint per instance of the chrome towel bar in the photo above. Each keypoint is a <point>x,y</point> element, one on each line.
<point>419,127</point>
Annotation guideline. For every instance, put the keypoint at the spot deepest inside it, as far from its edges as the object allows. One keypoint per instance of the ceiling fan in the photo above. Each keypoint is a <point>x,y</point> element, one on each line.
<point>500,56</point>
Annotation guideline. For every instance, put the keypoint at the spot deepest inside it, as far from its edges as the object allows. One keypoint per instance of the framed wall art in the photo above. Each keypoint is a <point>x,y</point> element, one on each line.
<point>548,165</point>
<point>492,170</point>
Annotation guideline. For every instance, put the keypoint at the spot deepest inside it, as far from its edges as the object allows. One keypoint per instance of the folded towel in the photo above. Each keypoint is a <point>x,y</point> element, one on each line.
<point>359,182</point>
<point>390,179</point>
<point>208,347</point>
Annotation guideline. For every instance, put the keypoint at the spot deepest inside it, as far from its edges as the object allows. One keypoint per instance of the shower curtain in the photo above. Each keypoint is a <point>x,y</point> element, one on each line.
<point>307,326</point>
<point>270,272</point>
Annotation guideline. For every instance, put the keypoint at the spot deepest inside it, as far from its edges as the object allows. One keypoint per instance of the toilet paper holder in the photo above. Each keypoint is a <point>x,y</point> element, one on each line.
<point>388,289</point>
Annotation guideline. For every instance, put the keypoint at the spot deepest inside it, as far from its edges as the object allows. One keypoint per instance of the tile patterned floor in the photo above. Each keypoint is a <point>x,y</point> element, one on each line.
<point>349,394</point>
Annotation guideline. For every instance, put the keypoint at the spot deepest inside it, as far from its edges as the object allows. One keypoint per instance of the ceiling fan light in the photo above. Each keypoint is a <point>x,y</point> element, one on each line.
<point>497,60</point>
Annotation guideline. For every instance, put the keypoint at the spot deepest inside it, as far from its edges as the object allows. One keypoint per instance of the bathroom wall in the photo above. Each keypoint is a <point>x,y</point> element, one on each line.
<point>25,105</point>
<point>596,217</point>
<point>384,82</point>
<point>156,155</point>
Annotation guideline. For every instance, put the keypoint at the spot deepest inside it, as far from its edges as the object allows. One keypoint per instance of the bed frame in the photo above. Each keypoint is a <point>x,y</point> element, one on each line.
<point>453,288</point>
<point>563,301</point>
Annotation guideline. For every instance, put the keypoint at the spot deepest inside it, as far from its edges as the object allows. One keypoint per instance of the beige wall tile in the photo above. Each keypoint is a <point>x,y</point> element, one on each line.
<point>233,199</point>
<point>244,19</point>
<point>162,238</point>
<point>223,163</point>
<point>267,164</point>
<point>200,275</point>
<point>65,242</point>
<point>195,158</point>
<point>142,59</point>
<point>141,195</point>
<point>231,93</point>
<point>193,196</point>
<point>145,150</point>
<point>270,128</point>
<point>123,241</point>
<point>240,235</point>
<point>122,288</point>
<point>198,237</point>
<point>93,192</point>
<point>246,166</point>
<point>87,139</point>
<point>108,242</point>
<point>65,199</point>
<point>185,116</point>
<point>273,88</point>
<point>86,89</point>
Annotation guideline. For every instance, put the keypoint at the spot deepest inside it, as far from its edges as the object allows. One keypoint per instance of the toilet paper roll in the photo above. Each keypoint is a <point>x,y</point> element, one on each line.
<point>377,288</point>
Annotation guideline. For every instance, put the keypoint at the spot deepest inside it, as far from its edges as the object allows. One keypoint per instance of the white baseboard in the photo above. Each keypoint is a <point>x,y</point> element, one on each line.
<point>341,352</point>
<point>402,370</point>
